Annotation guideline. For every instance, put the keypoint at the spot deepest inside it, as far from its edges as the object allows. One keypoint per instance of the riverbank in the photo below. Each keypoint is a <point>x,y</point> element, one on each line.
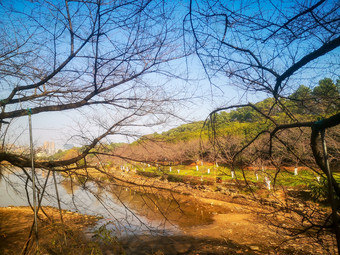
<point>71,237</point>
<point>232,233</point>
<point>261,223</point>
<point>53,237</point>
<point>240,225</point>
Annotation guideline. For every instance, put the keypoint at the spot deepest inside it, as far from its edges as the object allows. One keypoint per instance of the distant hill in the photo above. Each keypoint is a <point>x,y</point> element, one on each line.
<point>224,134</point>
<point>305,104</point>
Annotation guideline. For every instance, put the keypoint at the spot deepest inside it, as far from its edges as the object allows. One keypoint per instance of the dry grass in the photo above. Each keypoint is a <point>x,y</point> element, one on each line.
<point>54,237</point>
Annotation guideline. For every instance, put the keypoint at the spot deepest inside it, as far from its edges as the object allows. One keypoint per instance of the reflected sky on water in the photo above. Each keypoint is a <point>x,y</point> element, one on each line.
<point>127,210</point>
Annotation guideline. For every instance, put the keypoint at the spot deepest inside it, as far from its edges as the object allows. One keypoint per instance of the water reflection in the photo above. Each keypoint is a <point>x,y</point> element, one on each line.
<point>166,208</point>
<point>69,185</point>
<point>128,209</point>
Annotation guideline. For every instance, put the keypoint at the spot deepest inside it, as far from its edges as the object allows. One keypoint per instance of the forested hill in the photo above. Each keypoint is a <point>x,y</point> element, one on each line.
<point>304,104</point>
<point>222,136</point>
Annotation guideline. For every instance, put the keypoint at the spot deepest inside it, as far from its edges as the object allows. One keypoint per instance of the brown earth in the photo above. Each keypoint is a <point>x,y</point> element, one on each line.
<point>53,237</point>
<point>249,225</point>
<point>240,231</point>
<point>245,227</point>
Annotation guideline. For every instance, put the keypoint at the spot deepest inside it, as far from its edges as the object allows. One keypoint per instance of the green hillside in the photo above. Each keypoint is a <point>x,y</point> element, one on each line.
<point>221,136</point>
<point>304,104</point>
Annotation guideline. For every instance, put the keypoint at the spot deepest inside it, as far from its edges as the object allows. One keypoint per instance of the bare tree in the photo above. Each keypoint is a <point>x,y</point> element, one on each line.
<point>271,48</point>
<point>92,55</point>
<point>101,58</point>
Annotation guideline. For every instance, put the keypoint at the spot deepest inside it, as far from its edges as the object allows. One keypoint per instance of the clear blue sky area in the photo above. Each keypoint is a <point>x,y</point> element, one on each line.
<point>194,95</point>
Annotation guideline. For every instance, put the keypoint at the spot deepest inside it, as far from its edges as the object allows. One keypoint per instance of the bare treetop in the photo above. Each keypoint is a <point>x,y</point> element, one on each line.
<point>260,46</point>
<point>66,55</point>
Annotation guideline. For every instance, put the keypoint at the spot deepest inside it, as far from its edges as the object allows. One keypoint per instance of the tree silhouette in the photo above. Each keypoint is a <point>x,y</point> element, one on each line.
<point>86,55</point>
<point>272,47</point>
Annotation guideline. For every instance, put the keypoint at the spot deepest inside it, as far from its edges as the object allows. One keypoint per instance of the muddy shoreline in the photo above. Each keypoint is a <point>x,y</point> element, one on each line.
<point>241,227</point>
<point>245,222</point>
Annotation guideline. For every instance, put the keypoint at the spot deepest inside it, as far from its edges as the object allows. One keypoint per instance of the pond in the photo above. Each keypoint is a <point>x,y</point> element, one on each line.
<point>123,209</point>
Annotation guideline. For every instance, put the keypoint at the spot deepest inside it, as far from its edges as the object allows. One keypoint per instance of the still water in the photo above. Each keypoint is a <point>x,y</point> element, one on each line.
<point>124,209</point>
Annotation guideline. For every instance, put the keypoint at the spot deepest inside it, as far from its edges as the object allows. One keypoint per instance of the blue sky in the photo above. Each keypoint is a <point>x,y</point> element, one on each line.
<point>203,97</point>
